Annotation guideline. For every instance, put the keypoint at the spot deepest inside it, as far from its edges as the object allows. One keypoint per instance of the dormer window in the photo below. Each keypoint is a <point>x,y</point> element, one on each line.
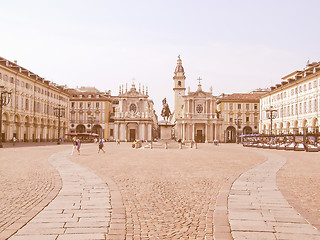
<point>179,83</point>
<point>97,96</point>
<point>80,96</point>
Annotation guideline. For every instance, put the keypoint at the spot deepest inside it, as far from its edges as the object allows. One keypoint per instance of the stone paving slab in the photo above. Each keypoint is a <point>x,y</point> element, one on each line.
<point>81,210</point>
<point>258,210</point>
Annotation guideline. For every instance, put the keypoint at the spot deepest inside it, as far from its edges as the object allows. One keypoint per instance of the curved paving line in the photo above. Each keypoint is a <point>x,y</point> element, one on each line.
<point>81,210</point>
<point>258,210</point>
<point>18,223</point>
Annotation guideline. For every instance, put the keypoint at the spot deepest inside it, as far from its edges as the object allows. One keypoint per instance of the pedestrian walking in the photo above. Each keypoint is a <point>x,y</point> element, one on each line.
<point>74,144</point>
<point>14,141</point>
<point>101,145</point>
<point>78,145</point>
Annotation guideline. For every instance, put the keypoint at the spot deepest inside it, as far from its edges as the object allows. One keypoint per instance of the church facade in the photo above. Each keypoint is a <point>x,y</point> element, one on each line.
<point>132,115</point>
<point>195,113</point>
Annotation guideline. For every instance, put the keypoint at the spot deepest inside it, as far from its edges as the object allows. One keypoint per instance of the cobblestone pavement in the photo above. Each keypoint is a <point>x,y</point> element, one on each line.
<point>27,182</point>
<point>158,194</point>
<point>299,181</point>
<point>258,210</point>
<point>80,211</point>
<point>168,194</point>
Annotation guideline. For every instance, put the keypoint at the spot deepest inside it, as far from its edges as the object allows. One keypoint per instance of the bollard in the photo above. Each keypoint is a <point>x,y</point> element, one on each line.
<point>180,145</point>
<point>151,145</point>
<point>196,145</point>
<point>166,145</point>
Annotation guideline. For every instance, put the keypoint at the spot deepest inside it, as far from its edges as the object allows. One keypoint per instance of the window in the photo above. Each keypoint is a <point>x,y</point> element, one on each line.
<point>300,108</point>
<point>72,104</point>
<point>247,106</point>
<point>97,116</point>
<point>0,76</point>
<point>133,108</point>
<point>80,104</point>
<point>247,118</point>
<point>296,109</point>
<point>255,119</point>
<point>179,83</point>
<point>231,119</point>
<point>309,85</point>
<point>255,106</point>
<point>11,80</point>
<point>97,105</point>
<point>305,107</point>
<point>199,108</point>
<point>72,116</point>
<point>315,107</point>
<point>309,108</point>
<point>89,105</point>
<point>230,106</point>
<point>27,104</point>
<point>239,106</point>
<point>305,87</point>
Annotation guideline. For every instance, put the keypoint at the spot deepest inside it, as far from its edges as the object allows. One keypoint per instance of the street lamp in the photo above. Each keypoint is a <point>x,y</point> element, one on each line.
<point>91,120</point>
<point>5,97</point>
<point>237,122</point>
<point>271,114</point>
<point>59,112</point>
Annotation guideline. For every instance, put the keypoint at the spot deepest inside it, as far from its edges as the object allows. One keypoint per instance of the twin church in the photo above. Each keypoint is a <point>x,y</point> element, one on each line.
<point>195,115</point>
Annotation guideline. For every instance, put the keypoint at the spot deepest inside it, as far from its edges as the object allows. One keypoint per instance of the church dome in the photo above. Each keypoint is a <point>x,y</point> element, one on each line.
<point>179,67</point>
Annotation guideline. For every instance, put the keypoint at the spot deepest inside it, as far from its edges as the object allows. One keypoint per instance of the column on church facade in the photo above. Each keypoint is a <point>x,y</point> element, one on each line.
<point>183,132</point>
<point>116,131</point>
<point>206,132</point>
<point>193,131</point>
<point>149,132</point>
<point>122,131</point>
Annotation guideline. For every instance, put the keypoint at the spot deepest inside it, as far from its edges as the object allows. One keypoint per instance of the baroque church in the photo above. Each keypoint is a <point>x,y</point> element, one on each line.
<point>195,113</point>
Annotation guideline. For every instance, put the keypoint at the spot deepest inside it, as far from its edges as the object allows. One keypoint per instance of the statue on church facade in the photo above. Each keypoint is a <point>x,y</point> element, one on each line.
<point>165,112</point>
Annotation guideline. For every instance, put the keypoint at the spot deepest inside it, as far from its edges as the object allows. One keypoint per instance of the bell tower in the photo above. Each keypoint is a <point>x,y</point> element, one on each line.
<point>179,88</point>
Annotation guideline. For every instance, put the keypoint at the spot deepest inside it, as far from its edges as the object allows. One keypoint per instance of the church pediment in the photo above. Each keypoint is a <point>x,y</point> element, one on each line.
<point>199,94</point>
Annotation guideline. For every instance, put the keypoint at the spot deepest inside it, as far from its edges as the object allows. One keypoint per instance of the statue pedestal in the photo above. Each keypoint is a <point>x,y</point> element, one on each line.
<point>165,129</point>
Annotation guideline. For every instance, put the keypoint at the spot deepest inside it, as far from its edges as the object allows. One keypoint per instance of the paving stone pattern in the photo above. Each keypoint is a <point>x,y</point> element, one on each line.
<point>168,194</point>
<point>81,210</point>
<point>258,210</point>
<point>28,183</point>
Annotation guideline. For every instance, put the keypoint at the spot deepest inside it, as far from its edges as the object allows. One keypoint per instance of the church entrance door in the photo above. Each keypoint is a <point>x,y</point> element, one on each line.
<point>132,136</point>
<point>199,138</point>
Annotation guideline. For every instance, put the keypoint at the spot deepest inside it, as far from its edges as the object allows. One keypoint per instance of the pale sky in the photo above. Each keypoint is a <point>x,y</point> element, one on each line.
<point>233,45</point>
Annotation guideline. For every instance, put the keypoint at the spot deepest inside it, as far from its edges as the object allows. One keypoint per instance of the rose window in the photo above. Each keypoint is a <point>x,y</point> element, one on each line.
<point>199,108</point>
<point>133,108</point>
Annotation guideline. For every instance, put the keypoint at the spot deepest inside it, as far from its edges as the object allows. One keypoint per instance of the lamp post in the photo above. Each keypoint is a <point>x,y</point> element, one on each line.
<point>91,119</point>
<point>5,97</point>
<point>237,122</point>
<point>271,114</point>
<point>59,112</point>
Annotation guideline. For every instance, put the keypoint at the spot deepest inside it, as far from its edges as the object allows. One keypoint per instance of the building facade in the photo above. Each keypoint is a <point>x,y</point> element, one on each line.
<point>30,114</point>
<point>89,111</point>
<point>195,112</point>
<point>132,115</point>
<point>240,114</point>
<point>295,101</point>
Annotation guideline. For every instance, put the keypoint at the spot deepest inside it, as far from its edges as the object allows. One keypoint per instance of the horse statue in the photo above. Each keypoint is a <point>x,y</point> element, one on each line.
<point>165,112</point>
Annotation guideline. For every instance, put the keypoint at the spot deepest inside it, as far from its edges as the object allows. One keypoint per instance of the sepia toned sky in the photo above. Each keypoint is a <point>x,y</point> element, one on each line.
<point>234,46</point>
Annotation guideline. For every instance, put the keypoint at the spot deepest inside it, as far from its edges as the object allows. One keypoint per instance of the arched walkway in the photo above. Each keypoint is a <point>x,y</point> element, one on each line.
<point>80,128</point>
<point>247,130</point>
<point>230,134</point>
